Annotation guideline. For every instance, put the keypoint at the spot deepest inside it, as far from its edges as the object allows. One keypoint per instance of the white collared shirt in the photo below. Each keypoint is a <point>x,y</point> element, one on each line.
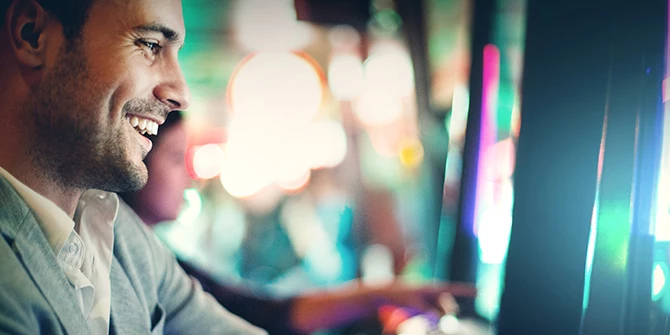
<point>84,250</point>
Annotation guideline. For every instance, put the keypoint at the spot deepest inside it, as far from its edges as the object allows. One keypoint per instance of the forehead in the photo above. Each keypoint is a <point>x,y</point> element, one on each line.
<point>124,15</point>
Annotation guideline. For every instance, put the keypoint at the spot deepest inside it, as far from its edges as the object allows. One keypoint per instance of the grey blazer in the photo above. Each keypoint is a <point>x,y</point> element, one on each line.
<point>150,292</point>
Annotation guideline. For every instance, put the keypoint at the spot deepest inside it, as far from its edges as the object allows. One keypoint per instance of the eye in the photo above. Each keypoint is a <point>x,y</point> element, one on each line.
<point>153,47</point>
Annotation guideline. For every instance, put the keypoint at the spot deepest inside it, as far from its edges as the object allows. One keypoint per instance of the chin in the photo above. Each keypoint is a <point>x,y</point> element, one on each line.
<point>133,178</point>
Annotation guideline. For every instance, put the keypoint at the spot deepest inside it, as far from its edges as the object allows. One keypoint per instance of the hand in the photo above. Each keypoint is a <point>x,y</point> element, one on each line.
<point>438,298</point>
<point>334,307</point>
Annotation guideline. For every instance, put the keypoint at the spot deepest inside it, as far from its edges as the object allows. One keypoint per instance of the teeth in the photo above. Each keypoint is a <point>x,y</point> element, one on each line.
<point>144,126</point>
<point>152,128</point>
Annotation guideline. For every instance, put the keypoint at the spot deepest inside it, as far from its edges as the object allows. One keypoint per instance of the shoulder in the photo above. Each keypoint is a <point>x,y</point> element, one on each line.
<point>138,250</point>
<point>128,223</point>
<point>133,240</point>
<point>23,308</point>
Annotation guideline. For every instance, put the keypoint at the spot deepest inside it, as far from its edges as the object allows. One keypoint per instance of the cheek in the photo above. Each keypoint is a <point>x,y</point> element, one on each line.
<point>132,84</point>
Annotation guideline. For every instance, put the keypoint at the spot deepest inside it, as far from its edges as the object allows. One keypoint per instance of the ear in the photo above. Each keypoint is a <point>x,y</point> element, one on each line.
<point>26,23</point>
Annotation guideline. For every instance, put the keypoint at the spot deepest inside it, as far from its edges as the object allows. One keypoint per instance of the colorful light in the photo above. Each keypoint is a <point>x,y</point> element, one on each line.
<point>345,76</point>
<point>375,107</point>
<point>261,25</point>
<point>459,113</point>
<point>659,279</point>
<point>192,207</point>
<point>389,69</point>
<point>661,222</point>
<point>488,133</point>
<point>276,89</point>
<point>410,152</point>
<point>207,161</point>
<point>326,144</point>
<point>377,265</point>
<point>245,169</point>
<point>296,183</point>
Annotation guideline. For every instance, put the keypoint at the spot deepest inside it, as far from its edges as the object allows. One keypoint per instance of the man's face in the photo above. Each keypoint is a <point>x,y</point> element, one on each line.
<point>122,74</point>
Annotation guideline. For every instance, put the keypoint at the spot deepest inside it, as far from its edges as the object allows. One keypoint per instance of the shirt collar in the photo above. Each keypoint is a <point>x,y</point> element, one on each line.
<point>54,222</point>
<point>103,206</point>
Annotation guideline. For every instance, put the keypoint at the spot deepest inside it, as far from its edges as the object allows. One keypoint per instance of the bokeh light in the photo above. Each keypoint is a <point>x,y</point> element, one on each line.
<point>377,264</point>
<point>276,88</point>
<point>245,170</point>
<point>376,107</point>
<point>410,152</point>
<point>389,69</point>
<point>344,37</point>
<point>345,76</point>
<point>295,183</point>
<point>659,279</point>
<point>207,161</point>
<point>192,207</point>
<point>261,25</point>
<point>326,144</point>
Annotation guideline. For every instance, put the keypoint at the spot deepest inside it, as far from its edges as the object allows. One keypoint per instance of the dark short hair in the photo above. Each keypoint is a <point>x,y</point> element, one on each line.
<point>72,14</point>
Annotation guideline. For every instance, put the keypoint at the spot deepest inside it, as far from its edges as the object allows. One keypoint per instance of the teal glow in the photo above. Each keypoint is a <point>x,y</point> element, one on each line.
<point>612,243</point>
<point>192,207</point>
<point>589,260</point>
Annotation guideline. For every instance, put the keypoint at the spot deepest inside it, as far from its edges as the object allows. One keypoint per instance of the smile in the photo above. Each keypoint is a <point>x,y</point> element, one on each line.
<point>142,125</point>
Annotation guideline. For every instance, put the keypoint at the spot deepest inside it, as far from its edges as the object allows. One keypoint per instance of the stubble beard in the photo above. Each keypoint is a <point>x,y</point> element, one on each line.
<point>70,146</point>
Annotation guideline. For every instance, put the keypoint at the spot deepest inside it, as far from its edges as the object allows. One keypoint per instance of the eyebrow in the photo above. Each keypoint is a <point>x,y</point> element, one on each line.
<point>170,34</point>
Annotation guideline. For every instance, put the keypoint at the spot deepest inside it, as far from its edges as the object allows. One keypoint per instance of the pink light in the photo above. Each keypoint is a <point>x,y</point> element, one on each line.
<point>207,161</point>
<point>488,130</point>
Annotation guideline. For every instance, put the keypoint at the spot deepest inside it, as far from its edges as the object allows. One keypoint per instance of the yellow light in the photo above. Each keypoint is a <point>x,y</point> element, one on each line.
<point>410,152</point>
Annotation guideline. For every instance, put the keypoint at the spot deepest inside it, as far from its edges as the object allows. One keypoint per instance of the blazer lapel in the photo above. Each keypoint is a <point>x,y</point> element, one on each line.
<point>33,249</point>
<point>127,312</point>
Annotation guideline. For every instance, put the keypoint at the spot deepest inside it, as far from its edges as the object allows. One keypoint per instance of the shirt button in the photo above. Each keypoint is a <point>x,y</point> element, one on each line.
<point>73,248</point>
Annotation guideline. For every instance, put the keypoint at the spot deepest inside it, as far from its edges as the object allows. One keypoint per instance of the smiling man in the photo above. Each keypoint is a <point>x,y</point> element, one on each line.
<point>80,82</point>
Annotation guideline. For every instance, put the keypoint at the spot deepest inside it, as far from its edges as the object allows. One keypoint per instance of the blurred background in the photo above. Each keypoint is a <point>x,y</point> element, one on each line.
<point>377,139</point>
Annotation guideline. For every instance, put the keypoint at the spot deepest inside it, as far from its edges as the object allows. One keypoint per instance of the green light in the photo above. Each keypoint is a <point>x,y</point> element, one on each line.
<point>192,207</point>
<point>658,282</point>
<point>612,243</point>
<point>388,20</point>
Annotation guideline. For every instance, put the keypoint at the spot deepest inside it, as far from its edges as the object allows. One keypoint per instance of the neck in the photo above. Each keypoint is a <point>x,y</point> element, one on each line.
<point>65,198</point>
<point>15,152</point>
<point>15,158</point>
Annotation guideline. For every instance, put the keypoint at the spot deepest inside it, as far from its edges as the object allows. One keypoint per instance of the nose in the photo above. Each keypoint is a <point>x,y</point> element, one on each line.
<point>172,89</point>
